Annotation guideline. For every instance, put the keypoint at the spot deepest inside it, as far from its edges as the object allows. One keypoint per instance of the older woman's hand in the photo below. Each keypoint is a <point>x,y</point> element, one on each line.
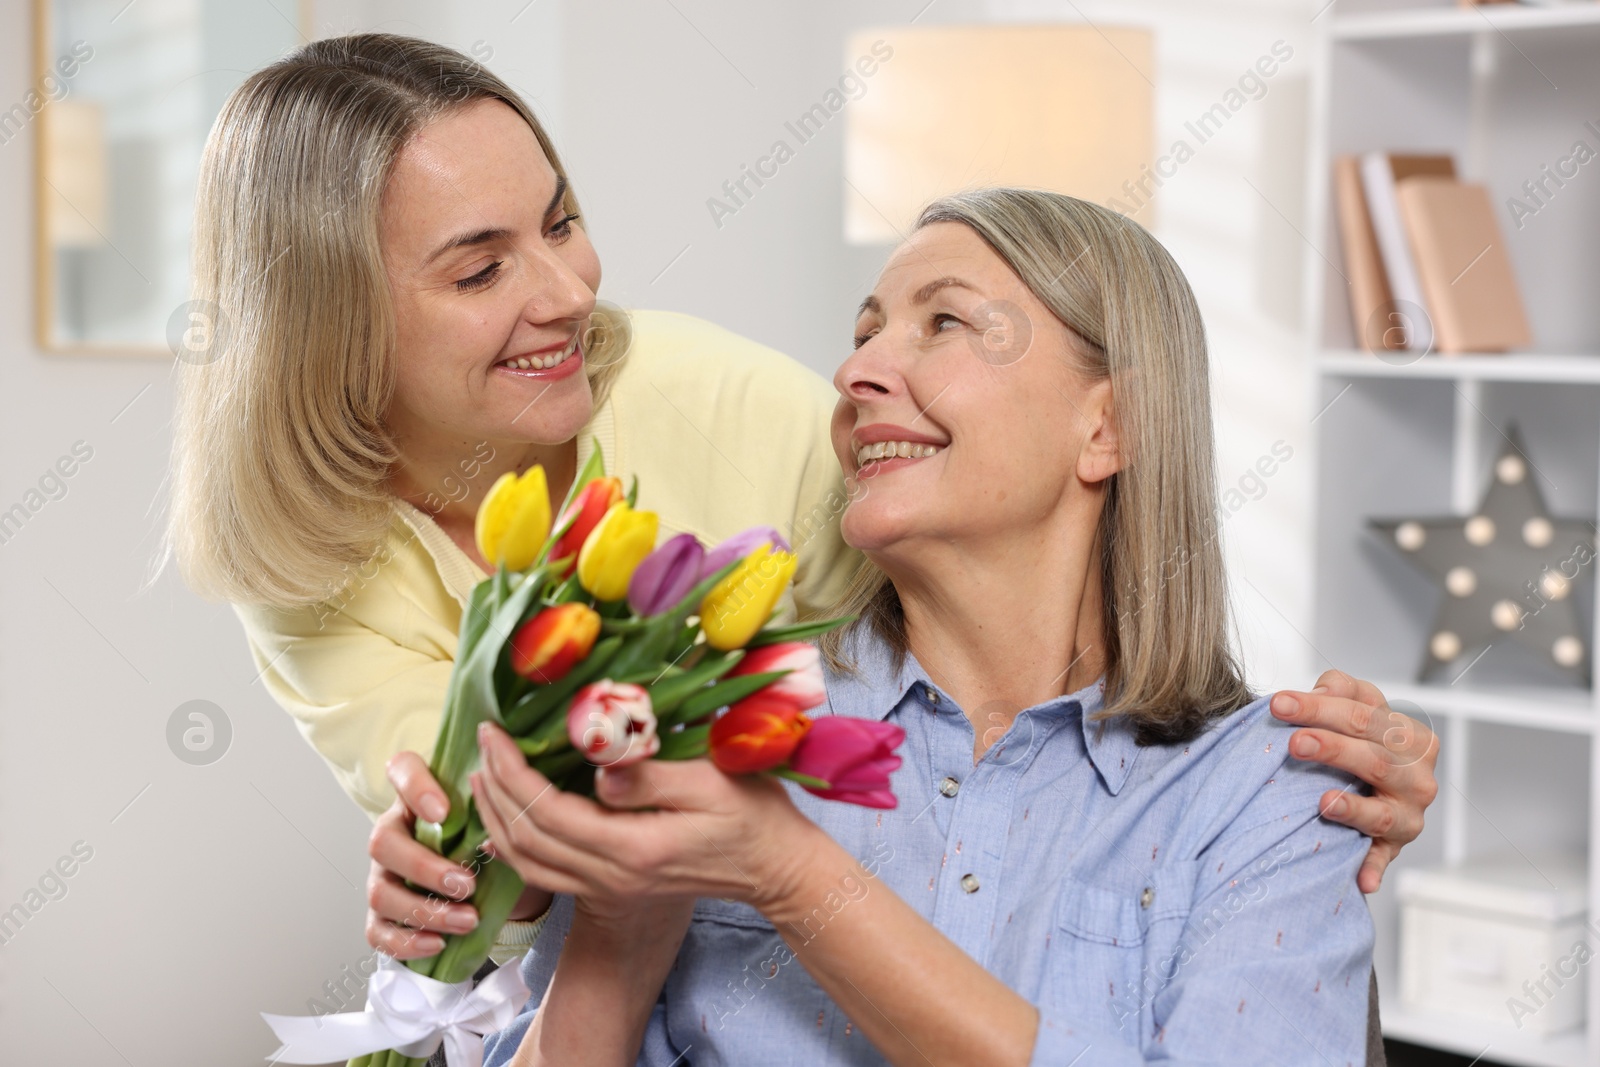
<point>1351,726</point>
<point>401,922</point>
<point>696,831</point>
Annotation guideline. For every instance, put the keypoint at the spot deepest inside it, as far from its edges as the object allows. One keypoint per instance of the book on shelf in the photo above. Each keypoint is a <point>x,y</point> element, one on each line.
<point>1371,302</point>
<point>1380,173</point>
<point>1463,266</point>
<point>1427,265</point>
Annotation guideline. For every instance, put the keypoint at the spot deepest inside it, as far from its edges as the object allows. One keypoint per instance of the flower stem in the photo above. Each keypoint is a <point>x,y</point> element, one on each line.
<point>803,779</point>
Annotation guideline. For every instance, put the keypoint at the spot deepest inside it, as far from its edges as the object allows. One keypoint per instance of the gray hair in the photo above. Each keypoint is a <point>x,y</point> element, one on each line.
<point>1170,665</point>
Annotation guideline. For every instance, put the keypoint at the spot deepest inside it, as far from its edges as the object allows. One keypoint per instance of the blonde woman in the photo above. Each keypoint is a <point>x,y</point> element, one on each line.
<point>1131,871</point>
<point>386,232</point>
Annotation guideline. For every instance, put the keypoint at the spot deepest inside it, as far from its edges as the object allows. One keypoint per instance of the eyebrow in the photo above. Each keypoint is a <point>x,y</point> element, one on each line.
<point>925,294</point>
<point>921,296</point>
<point>496,233</point>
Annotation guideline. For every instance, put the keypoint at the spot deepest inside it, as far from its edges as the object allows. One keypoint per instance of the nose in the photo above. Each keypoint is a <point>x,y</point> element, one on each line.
<point>868,374</point>
<point>555,291</point>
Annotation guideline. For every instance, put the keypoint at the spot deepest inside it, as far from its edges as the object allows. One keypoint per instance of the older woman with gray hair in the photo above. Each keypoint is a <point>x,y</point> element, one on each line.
<point>1103,852</point>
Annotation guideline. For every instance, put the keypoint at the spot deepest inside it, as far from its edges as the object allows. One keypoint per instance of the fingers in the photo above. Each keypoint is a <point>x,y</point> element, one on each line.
<point>398,917</point>
<point>399,942</point>
<point>392,848</point>
<point>389,901</point>
<point>692,785</point>
<point>1367,760</point>
<point>1373,816</point>
<point>1396,759</point>
<point>1340,684</point>
<point>527,799</point>
<point>415,785</point>
<point>521,846</point>
<point>1370,877</point>
<point>1339,714</point>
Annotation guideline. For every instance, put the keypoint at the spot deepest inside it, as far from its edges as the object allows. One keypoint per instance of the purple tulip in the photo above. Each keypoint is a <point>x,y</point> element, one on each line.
<point>665,577</point>
<point>741,545</point>
<point>854,756</point>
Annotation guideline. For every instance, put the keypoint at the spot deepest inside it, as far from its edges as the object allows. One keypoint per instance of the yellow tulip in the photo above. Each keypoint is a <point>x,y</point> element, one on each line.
<point>615,548</point>
<point>514,519</point>
<point>741,603</point>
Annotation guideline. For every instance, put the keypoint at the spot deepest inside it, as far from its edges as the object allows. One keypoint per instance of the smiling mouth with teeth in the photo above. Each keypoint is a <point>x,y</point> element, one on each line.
<point>884,450</point>
<point>540,362</point>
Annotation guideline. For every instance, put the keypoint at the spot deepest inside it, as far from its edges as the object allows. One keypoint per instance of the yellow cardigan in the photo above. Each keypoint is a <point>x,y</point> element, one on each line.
<point>723,434</point>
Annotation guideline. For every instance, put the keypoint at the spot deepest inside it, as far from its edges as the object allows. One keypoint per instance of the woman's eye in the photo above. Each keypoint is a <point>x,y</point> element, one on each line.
<point>863,338</point>
<point>480,279</point>
<point>941,320</point>
<point>563,228</point>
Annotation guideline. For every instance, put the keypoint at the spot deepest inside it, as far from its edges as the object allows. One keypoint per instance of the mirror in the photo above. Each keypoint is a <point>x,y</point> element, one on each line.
<point>124,93</point>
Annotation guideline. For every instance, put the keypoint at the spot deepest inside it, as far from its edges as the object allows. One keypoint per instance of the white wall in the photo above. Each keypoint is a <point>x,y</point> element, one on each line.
<point>227,889</point>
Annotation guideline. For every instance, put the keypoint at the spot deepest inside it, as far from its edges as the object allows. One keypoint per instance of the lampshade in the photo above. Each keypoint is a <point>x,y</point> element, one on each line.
<point>1068,108</point>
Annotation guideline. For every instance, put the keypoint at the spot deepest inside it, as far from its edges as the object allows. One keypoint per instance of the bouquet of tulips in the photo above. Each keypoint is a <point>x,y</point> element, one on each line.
<point>593,647</point>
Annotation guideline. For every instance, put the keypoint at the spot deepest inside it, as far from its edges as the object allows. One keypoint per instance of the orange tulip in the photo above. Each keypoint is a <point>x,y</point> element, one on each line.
<point>756,734</point>
<point>554,641</point>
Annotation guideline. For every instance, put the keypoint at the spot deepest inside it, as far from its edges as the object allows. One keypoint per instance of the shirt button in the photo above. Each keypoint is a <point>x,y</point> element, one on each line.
<point>949,787</point>
<point>1147,897</point>
<point>969,882</point>
<point>933,698</point>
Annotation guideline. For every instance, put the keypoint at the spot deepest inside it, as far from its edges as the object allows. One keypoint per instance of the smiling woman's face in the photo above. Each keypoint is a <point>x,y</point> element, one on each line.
<point>492,283</point>
<point>988,439</point>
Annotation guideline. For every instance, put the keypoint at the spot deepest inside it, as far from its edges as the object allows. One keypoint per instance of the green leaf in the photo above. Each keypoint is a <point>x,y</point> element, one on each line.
<point>667,694</point>
<point>802,631</point>
<point>628,625</point>
<point>658,634</point>
<point>480,609</point>
<point>472,700</point>
<point>475,621</point>
<point>688,743</point>
<point>527,713</point>
<point>558,766</point>
<point>682,645</point>
<point>725,692</point>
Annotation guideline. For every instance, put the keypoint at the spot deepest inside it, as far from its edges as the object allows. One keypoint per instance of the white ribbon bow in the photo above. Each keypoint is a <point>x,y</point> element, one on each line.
<point>409,1013</point>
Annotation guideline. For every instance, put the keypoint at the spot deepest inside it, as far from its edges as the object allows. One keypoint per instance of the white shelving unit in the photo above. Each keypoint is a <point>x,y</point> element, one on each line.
<point>1505,89</point>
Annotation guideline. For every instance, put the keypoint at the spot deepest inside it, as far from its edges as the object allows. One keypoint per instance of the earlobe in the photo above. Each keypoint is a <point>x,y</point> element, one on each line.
<point>1101,454</point>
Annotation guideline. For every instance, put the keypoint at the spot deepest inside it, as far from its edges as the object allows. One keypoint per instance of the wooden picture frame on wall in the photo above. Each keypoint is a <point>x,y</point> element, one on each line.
<point>120,102</point>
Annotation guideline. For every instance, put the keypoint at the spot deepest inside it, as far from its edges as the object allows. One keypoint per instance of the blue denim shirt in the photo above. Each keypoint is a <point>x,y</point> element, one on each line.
<point>1172,903</point>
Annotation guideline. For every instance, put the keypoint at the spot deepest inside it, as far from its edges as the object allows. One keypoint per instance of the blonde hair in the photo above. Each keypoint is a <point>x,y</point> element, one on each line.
<point>1169,662</point>
<point>281,453</point>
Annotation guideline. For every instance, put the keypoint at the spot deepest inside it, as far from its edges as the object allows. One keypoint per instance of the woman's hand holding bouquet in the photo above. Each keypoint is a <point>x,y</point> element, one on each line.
<point>591,647</point>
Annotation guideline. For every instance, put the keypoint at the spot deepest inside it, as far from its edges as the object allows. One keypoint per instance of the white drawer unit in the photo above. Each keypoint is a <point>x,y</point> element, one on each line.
<point>1502,941</point>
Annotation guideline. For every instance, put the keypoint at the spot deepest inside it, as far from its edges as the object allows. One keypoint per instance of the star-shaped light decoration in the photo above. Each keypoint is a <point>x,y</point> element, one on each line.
<point>1508,571</point>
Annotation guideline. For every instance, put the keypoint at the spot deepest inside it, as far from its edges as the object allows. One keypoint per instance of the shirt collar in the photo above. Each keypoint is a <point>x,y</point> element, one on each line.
<point>876,688</point>
<point>456,570</point>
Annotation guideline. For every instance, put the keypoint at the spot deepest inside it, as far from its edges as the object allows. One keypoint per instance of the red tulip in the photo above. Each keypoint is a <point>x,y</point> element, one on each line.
<point>802,687</point>
<point>591,505</point>
<point>756,734</point>
<point>854,756</point>
<point>551,643</point>
<point>612,724</point>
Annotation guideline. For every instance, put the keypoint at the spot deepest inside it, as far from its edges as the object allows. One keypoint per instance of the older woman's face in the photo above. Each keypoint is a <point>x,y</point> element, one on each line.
<point>492,285</point>
<point>968,377</point>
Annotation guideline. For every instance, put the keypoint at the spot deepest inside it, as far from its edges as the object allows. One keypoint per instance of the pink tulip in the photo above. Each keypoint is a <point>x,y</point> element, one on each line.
<point>854,756</point>
<point>802,686</point>
<point>612,724</point>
